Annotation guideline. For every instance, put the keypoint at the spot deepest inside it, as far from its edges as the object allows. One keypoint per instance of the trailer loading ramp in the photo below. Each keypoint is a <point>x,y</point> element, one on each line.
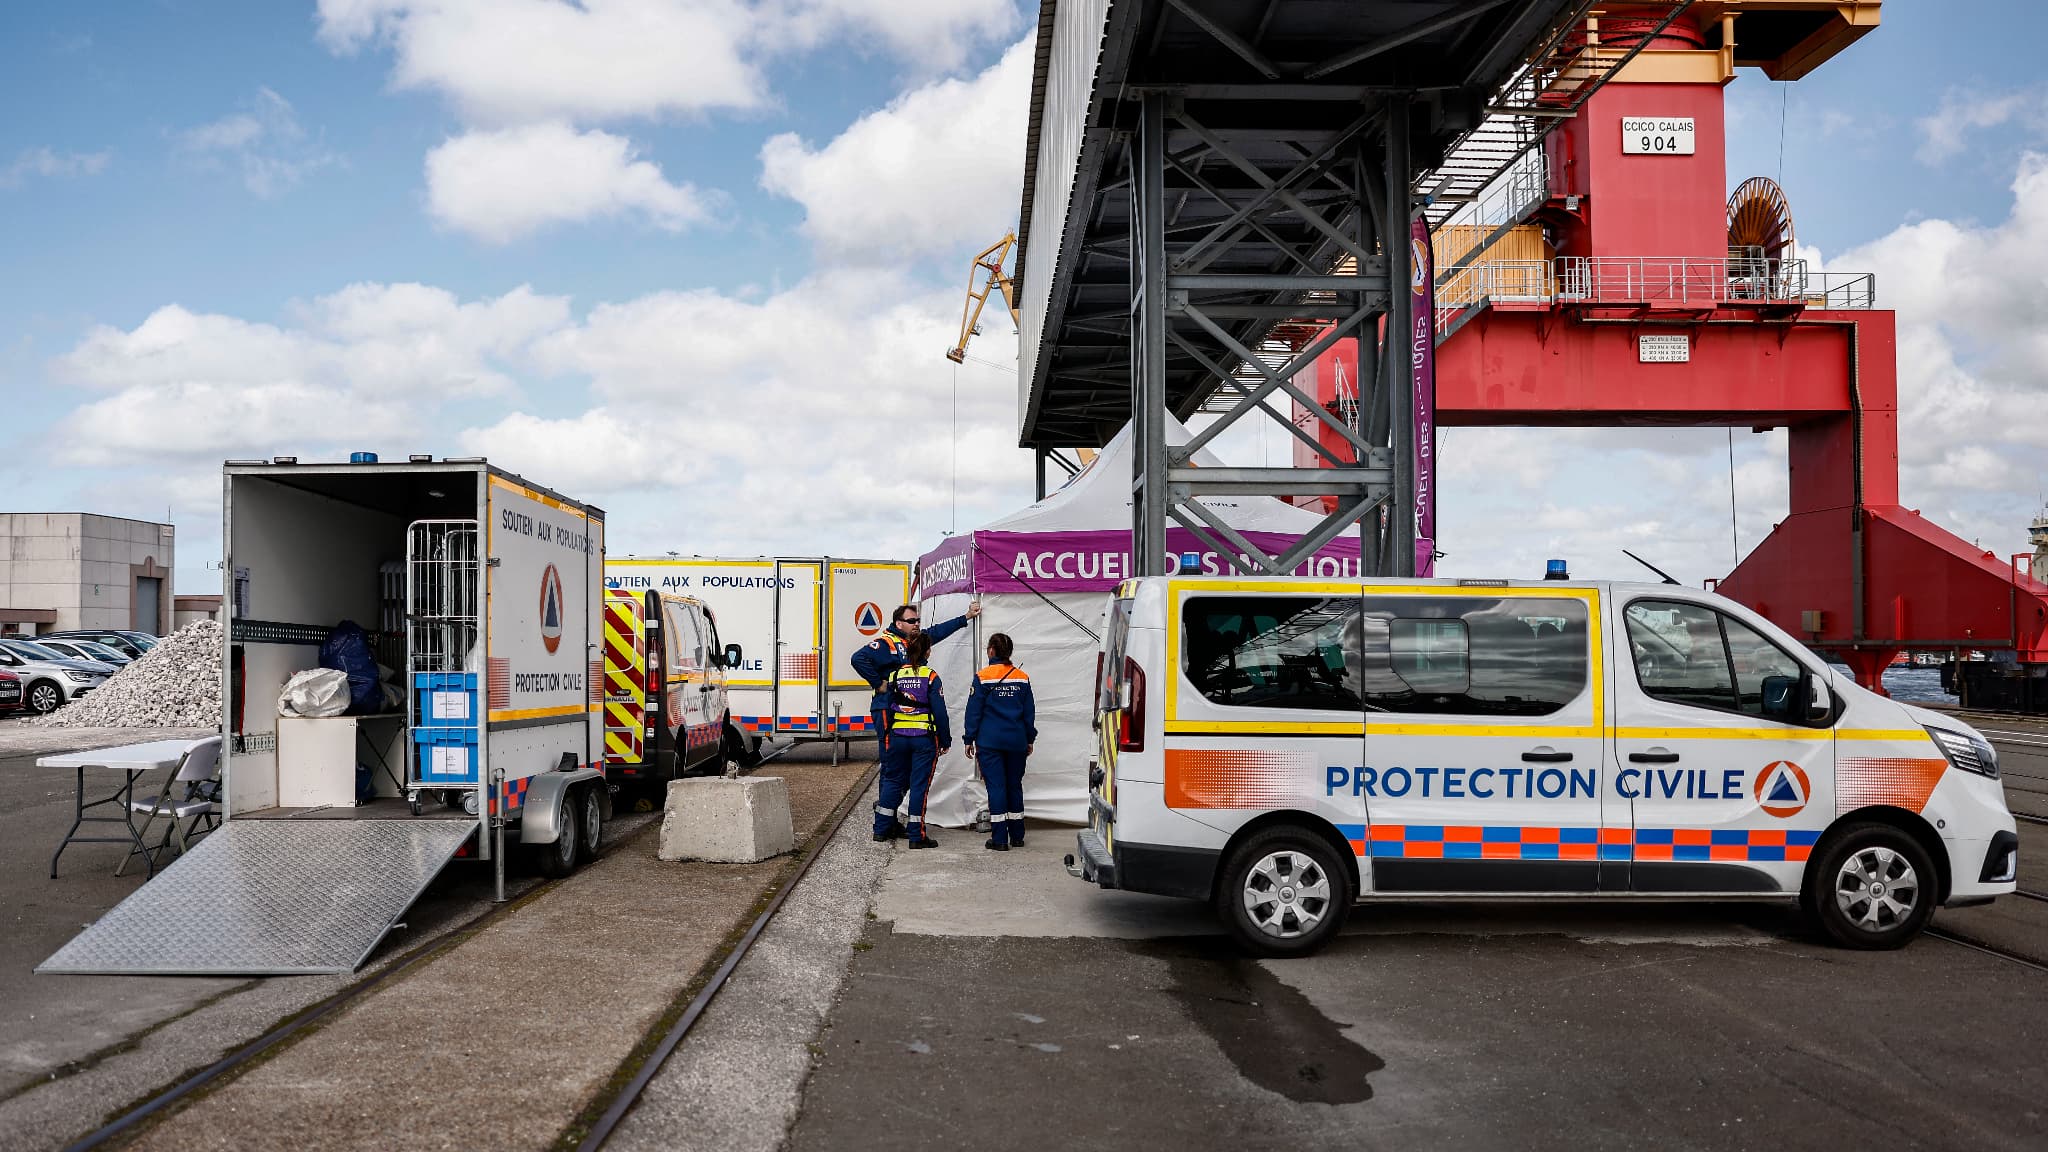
<point>269,898</point>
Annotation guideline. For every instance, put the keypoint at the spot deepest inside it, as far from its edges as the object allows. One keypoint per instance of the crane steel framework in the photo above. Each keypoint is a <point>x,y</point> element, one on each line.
<point>1218,191</point>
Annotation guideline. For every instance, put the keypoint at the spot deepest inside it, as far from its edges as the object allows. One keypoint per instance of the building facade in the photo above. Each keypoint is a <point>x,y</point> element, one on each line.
<point>63,570</point>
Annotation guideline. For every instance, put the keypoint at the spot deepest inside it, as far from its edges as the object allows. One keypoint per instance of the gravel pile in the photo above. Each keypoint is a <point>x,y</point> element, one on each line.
<point>174,685</point>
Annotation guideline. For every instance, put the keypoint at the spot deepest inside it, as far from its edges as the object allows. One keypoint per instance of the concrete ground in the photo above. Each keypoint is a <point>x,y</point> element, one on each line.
<point>80,1049</point>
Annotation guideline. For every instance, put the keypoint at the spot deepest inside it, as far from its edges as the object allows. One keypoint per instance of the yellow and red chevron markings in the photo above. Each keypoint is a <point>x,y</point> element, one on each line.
<point>625,679</point>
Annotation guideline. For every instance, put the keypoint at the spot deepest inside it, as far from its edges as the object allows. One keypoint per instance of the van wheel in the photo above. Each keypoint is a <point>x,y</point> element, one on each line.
<point>590,808</point>
<point>1284,893</point>
<point>559,859</point>
<point>736,748</point>
<point>1874,888</point>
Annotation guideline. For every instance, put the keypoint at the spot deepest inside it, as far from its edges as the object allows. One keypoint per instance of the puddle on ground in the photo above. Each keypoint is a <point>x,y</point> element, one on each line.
<point>1270,1032</point>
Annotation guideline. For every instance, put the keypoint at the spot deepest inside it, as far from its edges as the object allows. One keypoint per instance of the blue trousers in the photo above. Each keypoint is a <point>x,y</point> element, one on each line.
<point>907,766</point>
<point>1002,769</point>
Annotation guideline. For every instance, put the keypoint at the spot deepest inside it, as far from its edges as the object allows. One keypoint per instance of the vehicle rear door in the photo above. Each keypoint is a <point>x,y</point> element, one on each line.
<point>1729,793</point>
<point>1485,751</point>
<point>684,699</point>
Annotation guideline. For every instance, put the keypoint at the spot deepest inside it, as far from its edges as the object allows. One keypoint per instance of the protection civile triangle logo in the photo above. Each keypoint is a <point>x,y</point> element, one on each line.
<point>1782,788</point>
<point>551,609</point>
<point>867,619</point>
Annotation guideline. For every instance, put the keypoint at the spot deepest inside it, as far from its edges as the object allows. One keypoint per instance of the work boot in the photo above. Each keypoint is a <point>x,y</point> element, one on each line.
<point>995,845</point>
<point>894,833</point>
<point>923,842</point>
<point>1016,834</point>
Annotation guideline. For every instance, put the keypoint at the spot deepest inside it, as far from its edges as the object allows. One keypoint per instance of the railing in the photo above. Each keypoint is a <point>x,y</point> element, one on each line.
<point>1672,281</point>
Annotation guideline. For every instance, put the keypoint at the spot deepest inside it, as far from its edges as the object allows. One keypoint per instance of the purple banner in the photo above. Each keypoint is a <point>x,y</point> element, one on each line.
<point>1422,311</point>
<point>1088,561</point>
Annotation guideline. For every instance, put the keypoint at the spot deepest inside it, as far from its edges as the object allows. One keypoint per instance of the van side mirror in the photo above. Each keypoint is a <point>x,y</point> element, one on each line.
<point>1781,698</point>
<point>732,656</point>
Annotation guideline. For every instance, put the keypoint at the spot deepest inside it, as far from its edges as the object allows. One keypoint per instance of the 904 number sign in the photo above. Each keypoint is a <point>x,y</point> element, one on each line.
<point>1657,135</point>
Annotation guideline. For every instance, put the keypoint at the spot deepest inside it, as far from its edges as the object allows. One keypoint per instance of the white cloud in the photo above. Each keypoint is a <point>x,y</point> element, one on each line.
<point>47,163</point>
<point>932,35</point>
<point>502,185</point>
<point>514,61</point>
<point>935,172</point>
<point>372,360</point>
<point>266,142</point>
<point>1946,132</point>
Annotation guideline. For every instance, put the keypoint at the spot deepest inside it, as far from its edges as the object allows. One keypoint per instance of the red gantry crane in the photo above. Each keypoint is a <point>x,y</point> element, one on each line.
<point>1608,280</point>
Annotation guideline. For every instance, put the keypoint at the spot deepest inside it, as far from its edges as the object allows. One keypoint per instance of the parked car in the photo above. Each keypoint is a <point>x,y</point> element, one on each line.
<point>10,691</point>
<point>120,639</point>
<point>87,650</point>
<point>49,678</point>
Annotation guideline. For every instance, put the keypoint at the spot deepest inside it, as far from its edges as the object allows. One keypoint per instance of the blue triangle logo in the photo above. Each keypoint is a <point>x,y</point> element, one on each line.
<point>1782,789</point>
<point>552,616</point>
<point>868,618</point>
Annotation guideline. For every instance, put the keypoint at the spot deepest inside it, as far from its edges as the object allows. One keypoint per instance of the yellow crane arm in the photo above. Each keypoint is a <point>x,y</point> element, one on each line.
<point>986,274</point>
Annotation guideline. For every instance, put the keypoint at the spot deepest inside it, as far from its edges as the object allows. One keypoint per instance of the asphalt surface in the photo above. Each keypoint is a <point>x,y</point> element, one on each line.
<point>1000,1003</point>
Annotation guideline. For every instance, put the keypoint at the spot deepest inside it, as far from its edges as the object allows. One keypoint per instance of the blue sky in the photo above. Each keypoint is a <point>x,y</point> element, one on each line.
<point>688,259</point>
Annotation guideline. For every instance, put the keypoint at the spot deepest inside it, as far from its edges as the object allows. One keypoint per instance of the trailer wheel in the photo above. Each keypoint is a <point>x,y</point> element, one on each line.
<point>590,807</point>
<point>559,859</point>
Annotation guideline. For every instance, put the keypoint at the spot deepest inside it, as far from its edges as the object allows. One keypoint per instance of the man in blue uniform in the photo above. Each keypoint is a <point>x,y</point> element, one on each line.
<point>1002,725</point>
<point>884,655</point>
<point>919,733</point>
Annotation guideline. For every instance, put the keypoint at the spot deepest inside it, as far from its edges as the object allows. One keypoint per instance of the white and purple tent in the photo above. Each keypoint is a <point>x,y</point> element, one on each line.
<point>1043,574</point>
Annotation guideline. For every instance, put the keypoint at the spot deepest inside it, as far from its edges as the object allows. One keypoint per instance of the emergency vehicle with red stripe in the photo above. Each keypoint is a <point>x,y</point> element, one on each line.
<point>1285,747</point>
<point>665,709</point>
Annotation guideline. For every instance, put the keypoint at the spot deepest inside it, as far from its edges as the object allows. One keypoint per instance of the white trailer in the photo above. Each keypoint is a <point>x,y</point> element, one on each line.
<point>797,622</point>
<point>481,592</point>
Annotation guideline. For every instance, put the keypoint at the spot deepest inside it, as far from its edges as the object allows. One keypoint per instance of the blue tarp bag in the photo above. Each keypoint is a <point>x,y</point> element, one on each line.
<point>347,650</point>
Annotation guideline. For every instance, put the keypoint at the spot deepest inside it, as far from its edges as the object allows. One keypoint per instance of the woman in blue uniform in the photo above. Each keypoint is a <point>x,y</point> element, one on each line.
<point>918,735</point>
<point>1002,725</point>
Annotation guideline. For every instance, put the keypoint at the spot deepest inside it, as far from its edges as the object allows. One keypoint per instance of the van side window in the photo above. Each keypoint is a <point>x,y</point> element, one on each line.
<point>684,647</point>
<point>1473,656</point>
<point>1273,651</point>
<point>1755,658</point>
<point>1679,654</point>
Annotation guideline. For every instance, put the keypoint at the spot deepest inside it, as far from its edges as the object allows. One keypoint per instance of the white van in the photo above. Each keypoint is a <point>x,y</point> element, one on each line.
<point>1284,747</point>
<point>665,708</point>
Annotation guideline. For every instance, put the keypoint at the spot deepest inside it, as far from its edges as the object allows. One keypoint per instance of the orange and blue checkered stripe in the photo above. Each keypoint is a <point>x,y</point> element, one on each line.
<point>765,725</point>
<point>1548,842</point>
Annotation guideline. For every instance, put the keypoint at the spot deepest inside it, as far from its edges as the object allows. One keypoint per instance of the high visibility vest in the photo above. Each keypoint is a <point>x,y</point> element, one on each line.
<point>910,698</point>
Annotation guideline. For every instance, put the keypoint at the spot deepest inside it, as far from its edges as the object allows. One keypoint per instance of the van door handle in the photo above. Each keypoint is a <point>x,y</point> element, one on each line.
<point>1546,756</point>
<point>1657,757</point>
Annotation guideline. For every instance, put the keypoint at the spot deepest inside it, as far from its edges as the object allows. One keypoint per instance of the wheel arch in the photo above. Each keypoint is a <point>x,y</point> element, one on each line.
<point>1905,820</point>
<point>1296,818</point>
<point>541,815</point>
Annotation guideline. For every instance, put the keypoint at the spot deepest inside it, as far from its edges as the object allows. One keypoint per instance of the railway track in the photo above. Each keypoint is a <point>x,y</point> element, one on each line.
<point>248,1054</point>
<point>1988,949</point>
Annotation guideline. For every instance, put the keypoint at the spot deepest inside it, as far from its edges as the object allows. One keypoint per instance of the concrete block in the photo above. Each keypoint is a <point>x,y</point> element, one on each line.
<point>728,821</point>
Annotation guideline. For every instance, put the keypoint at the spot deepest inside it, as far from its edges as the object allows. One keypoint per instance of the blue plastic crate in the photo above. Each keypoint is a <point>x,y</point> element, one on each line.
<point>445,700</point>
<point>447,755</point>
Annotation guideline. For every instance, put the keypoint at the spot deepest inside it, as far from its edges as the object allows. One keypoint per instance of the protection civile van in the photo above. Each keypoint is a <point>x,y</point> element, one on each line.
<point>665,711</point>
<point>1284,748</point>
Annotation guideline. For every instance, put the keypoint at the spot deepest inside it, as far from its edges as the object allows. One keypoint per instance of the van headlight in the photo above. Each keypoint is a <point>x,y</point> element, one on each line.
<point>1967,750</point>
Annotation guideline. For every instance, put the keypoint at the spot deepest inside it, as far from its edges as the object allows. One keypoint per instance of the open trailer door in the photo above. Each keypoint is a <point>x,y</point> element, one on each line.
<point>860,596</point>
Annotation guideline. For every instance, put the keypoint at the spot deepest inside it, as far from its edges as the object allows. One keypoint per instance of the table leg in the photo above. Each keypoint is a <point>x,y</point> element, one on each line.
<point>77,819</point>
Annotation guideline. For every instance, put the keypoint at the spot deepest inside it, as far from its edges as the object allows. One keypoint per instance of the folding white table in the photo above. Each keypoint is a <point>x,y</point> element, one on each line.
<point>133,760</point>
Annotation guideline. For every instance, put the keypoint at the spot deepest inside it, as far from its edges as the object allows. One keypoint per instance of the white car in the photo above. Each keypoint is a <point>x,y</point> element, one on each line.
<point>1286,747</point>
<point>49,678</point>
